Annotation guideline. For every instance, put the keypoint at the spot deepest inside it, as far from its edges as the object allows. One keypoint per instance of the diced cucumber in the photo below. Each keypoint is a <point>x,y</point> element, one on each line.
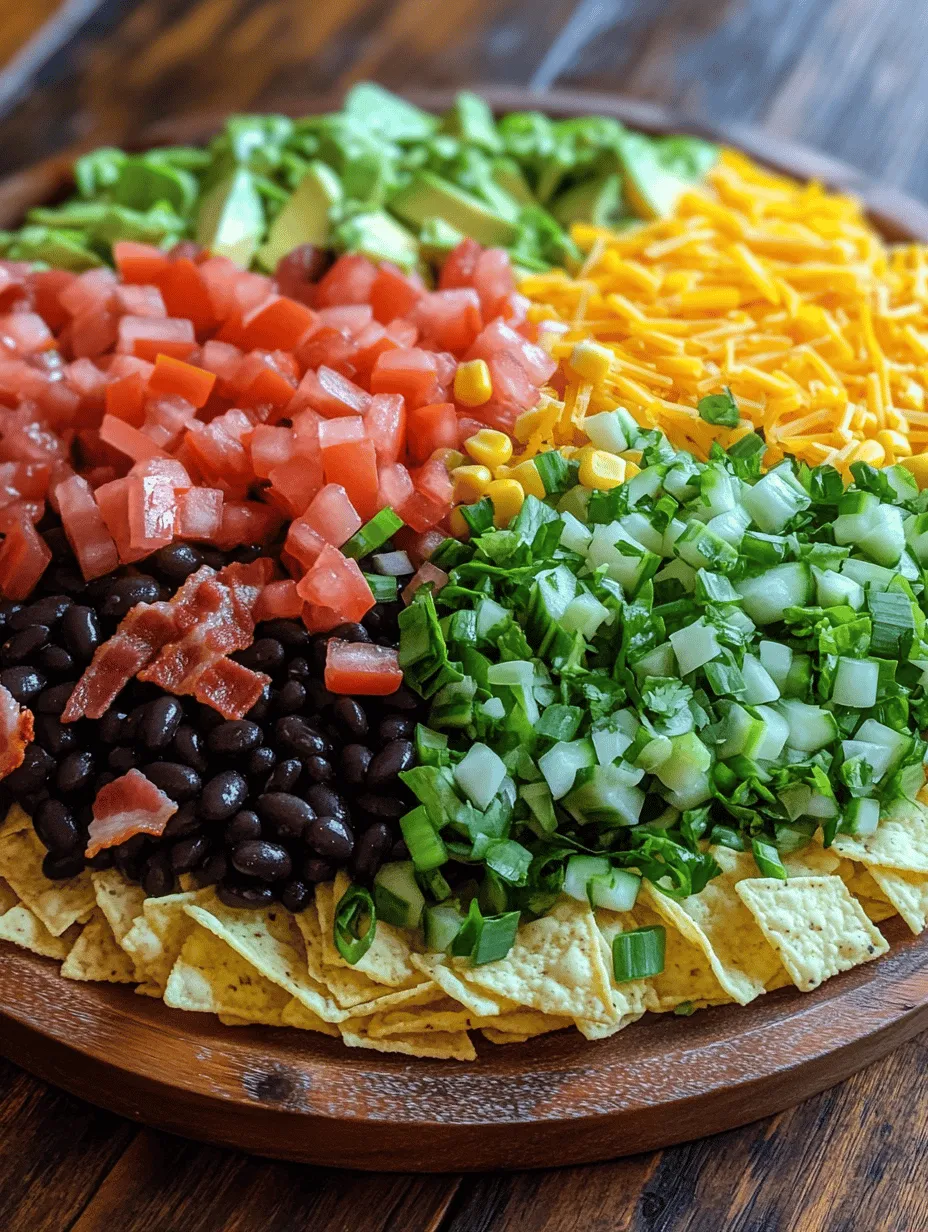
<point>775,734</point>
<point>397,896</point>
<point>681,480</point>
<point>641,530</point>
<point>538,798</point>
<point>627,561</point>
<point>654,753</point>
<point>493,708</point>
<point>703,549</point>
<point>646,483</point>
<point>609,744</point>
<point>442,925</point>
<point>776,660</point>
<point>696,790</point>
<point>837,589</point>
<point>695,645</point>
<point>768,596</point>
<point>578,871</point>
<point>575,535</point>
<point>561,763</point>
<point>480,774</point>
<point>675,528</point>
<point>744,734</point>
<point>492,618</point>
<point>877,756</point>
<point>861,817</point>
<point>657,662</point>
<point>606,797</point>
<point>689,759</point>
<point>730,525</point>
<point>718,492</point>
<point>775,499</point>
<point>516,673</point>
<point>759,685</point>
<point>810,727</point>
<point>867,574</point>
<point>606,431</point>
<point>856,683</point>
<point>877,530</point>
<point>585,615</point>
<point>616,890</point>
<point>678,571</point>
<point>916,536</point>
<point>896,743</point>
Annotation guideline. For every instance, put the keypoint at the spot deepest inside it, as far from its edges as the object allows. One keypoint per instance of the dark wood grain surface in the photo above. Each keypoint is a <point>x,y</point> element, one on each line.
<point>847,76</point>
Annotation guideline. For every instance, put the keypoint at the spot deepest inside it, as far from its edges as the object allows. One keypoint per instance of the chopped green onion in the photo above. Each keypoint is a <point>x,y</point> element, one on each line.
<point>354,907</point>
<point>555,472</point>
<point>639,954</point>
<point>424,842</point>
<point>384,589</point>
<point>767,859</point>
<point>479,517</point>
<point>373,534</point>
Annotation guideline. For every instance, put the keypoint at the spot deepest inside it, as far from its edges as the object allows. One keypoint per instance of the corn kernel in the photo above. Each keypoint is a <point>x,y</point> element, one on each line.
<point>526,474</point>
<point>591,361</point>
<point>599,469</point>
<point>470,483</point>
<point>894,443</point>
<point>489,447</point>
<point>507,497</point>
<point>451,458</point>
<point>458,524</point>
<point>631,470</point>
<point>472,383</point>
<point>918,467</point>
<point>870,451</point>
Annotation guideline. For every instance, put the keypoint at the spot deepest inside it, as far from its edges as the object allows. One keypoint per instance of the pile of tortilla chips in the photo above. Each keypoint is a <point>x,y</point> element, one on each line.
<point>743,936</point>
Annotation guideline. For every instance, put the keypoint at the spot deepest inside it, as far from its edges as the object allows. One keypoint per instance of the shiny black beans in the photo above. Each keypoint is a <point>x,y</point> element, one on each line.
<point>80,629</point>
<point>355,760</point>
<point>35,768</point>
<point>315,870</point>
<point>213,870</point>
<point>55,660</point>
<point>126,592</point>
<point>47,611</point>
<point>64,867</point>
<point>184,822</point>
<point>122,760</point>
<point>349,715</point>
<point>393,758</point>
<point>55,738</point>
<point>179,782</point>
<point>351,631</point>
<point>223,795</point>
<point>371,850</point>
<point>22,646</point>
<point>299,669</point>
<point>330,838</point>
<point>244,825</point>
<point>318,770</point>
<point>25,683</point>
<point>187,853</point>
<point>75,773</point>
<point>297,735</point>
<point>395,727</point>
<point>382,806</point>
<point>285,775</point>
<point>290,698</point>
<point>157,875</point>
<point>326,803</point>
<point>246,897</point>
<point>261,859</point>
<point>54,699</point>
<point>176,562</point>
<point>402,699</point>
<point>289,816</point>
<point>296,895</point>
<point>259,762</point>
<point>159,722</point>
<point>57,828</point>
<point>266,654</point>
<point>292,634</point>
<point>188,748</point>
<point>234,737</point>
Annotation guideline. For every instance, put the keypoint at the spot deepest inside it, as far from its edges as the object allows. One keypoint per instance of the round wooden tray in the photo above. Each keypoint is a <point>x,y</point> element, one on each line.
<point>555,1100</point>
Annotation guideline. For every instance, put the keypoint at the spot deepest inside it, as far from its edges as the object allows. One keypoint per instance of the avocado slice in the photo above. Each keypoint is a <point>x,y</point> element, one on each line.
<point>437,238</point>
<point>598,200</point>
<point>304,219</point>
<point>651,188</point>
<point>380,237</point>
<point>388,114</point>
<point>472,120</point>
<point>507,175</point>
<point>429,196</point>
<point>231,218</point>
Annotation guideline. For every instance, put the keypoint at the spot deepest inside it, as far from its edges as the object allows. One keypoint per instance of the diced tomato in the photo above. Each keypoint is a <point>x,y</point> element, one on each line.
<point>349,281</point>
<point>231,289</point>
<point>221,358</point>
<point>303,544</point>
<point>393,293</point>
<point>461,265</point>
<point>431,500</point>
<point>186,294</point>
<point>418,545</point>
<point>128,440</point>
<point>493,281</point>
<point>394,487</point>
<point>219,449</point>
<point>25,333</point>
<point>140,301</point>
<point>125,399</point>
<point>113,502</point>
<point>151,512</point>
<point>277,323</point>
<point>246,522</point>
<point>46,289</point>
<point>449,320</point>
<point>174,376</point>
<point>88,382</point>
<point>409,372</point>
<point>92,291</point>
<point>498,339</point>
<point>83,524</point>
<point>24,555</point>
<point>354,466</point>
<point>425,573</point>
<point>199,514</point>
<point>270,447</point>
<point>138,263</point>
<point>329,347</point>
<point>339,431</point>
<point>321,619</point>
<point>93,333</point>
<point>430,428</point>
<point>348,319</point>
<point>296,273</point>
<point>279,600</point>
<point>296,482</point>
<point>168,469</point>
<point>166,420</point>
<point>359,668</point>
<point>331,394</point>
<point>336,582</point>
<point>263,380</point>
<point>149,338</point>
<point>385,424</point>
<point>332,515</point>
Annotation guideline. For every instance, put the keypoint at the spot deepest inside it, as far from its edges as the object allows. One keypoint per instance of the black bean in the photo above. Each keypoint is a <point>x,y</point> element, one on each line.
<point>213,558</point>
<point>128,857</point>
<point>259,762</point>
<point>213,870</point>
<point>25,683</point>
<point>31,774</point>
<point>371,850</point>
<point>243,826</point>
<point>22,646</point>
<point>296,734</point>
<point>126,592</point>
<point>110,726</point>
<point>102,860</point>
<point>395,727</point>
<point>184,822</point>
<point>284,776</point>
<point>75,773</point>
<point>47,611</point>
<point>207,719</point>
<point>315,870</point>
<point>264,655</point>
<point>318,650</point>
<point>248,897</point>
<point>57,827</point>
<point>131,723</point>
<point>351,631</point>
<point>68,579</point>
<point>317,695</point>
<point>331,838</point>
<point>382,806</point>
<point>402,699</point>
<point>259,711</point>
<point>355,759</point>
<point>288,815</point>
<point>189,852</point>
<point>296,895</point>
<point>122,760</point>
<point>8,610</point>
<point>234,737</point>
<point>157,876</point>
<point>160,722</point>
<point>350,716</point>
<point>261,859</point>
<point>177,781</point>
<point>80,629</point>
<point>63,867</point>
<point>55,737</point>
<point>177,561</point>
<point>290,698</point>
<point>290,633</point>
<point>223,795</point>
<point>298,669</point>
<point>327,803</point>
<point>103,779</point>
<point>55,660</point>
<point>188,748</point>
<point>394,757</point>
<point>54,699</point>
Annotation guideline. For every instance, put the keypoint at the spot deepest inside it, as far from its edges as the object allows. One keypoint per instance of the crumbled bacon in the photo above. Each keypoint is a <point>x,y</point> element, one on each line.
<point>16,731</point>
<point>142,633</point>
<point>128,806</point>
<point>230,688</point>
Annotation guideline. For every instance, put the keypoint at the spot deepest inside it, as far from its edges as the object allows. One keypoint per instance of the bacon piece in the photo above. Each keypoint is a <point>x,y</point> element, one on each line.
<point>128,806</point>
<point>230,688</point>
<point>143,632</point>
<point>16,731</point>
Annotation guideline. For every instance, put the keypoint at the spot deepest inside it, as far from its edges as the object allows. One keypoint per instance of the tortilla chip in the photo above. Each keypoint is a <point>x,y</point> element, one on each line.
<point>156,938</point>
<point>687,977</point>
<point>8,897</point>
<point>718,923</point>
<point>814,923</point>
<point>297,1015</point>
<point>900,841</point>
<point>505,1037</point>
<point>906,893</point>
<point>601,1030</point>
<point>271,942</point>
<point>96,956</point>
<point>209,977</point>
<point>58,904</point>
<point>475,1001</point>
<point>24,928</point>
<point>812,861</point>
<point>444,1018</point>
<point>121,902</point>
<point>555,965</point>
<point>388,961</point>
<point>451,1046</point>
<point>16,819</point>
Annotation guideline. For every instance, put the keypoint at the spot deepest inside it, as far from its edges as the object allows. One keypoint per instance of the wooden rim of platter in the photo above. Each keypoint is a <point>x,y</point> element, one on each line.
<point>555,1100</point>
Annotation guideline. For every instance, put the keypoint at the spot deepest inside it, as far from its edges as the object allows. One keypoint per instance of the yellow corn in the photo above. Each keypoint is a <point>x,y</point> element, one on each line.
<point>507,497</point>
<point>470,483</point>
<point>472,383</point>
<point>526,474</point>
<point>591,361</point>
<point>458,524</point>
<point>450,457</point>
<point>894,443</point>
<point>489,447</point>
<point>919,468</point>
<point>631,470</point>
<point>599,469</point>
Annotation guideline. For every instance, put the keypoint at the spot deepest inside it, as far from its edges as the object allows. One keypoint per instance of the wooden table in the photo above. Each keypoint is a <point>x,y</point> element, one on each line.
<point>848,76</point>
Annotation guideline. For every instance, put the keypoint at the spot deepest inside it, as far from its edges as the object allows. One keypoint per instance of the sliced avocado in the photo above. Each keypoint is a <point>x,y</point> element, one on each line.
<point>507,174</point>
<point>472,120</point>
<point>437,238</point>
<point>305,217</point>
<point>388,114</point>
<point>231,219</point>
<point>429,196</point>
<point>143,182</point>
<point>598,201</point>
<point>651,190</point>
<point>380,237</point>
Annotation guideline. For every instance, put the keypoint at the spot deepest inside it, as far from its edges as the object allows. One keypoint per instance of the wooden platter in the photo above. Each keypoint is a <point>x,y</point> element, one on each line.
<point>555,1100</point>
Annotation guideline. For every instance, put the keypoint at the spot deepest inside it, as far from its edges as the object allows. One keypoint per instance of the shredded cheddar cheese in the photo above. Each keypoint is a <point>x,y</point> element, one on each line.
<point>781,291</point>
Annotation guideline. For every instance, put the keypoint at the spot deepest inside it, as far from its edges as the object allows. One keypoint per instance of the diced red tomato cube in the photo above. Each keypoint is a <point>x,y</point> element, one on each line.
<point>278,600</point>
<point>336,582</point>
<point>410,372</point>
<point>270,447</point>
<point>138,263</point>
<point>321,619</point>
<point>329,347</point>
<point>493,281</point>
<point>332,515</point>
<point>87,381</point>
<point>418,545</point>
<point>393,293</point>
<point>349,319</point>
<point>498,339</point>
<point>349,281</point>
<point>231,289</point>
<point>331,394</point>
<point>461,265</point>
<point>149,338</point>
<point>221,358</point>
<point>246,522</point>
<point>449,320</point>
<point>385,424</point>
<point>24,555</point>
<point>296,482</point>
<point>354,466</point>
<point>92,291</point>
<point>140,301</point>
<point>199,514</point>
<point>394,486</point>
<point>25,333</point>
<point>47,286</point>
<point>92,333</point>
<point>277,323</point>
<point>425,573</point>
<point>125,399</point>
<point>186,294</point>
<point>113,502</point>
<point>303,544</point>
<point>430,428</point>
<point>339,431</point>
<point>358,668</point>
<point>151,512</point>
<point>431,500</point>
<point>166,420</point>
<point>83,524</point>
<point>174,376</point>
<point>128,440</point>
<point>169,469</point>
